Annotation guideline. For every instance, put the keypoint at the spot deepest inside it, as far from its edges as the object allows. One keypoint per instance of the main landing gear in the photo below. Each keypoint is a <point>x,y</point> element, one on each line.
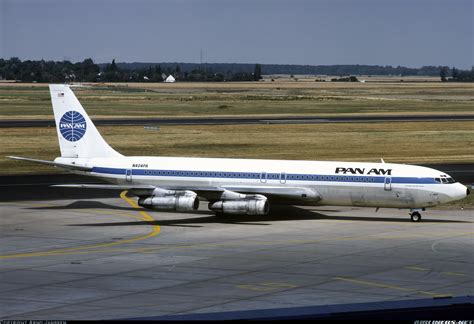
<point>415,215</point>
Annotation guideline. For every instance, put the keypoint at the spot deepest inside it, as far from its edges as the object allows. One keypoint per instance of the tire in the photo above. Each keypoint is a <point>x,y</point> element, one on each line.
<point>415,217</point>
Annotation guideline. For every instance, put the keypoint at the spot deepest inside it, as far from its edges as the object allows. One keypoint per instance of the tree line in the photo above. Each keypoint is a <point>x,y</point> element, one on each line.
<point>457,75</point>
<point>293,69</point>
<point>88,71</point>
<point>48,71</point>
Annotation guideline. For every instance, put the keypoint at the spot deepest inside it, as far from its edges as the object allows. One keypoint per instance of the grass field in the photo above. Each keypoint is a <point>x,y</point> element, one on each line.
<point>395,142</point>
<point>31,101</point>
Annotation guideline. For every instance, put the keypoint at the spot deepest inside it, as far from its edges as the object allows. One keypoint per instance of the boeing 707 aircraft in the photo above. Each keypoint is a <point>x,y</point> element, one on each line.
<point>239,186</point>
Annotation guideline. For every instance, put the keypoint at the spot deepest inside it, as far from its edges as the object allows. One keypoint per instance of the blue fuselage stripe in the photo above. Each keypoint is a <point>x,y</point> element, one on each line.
<point>266,176</point>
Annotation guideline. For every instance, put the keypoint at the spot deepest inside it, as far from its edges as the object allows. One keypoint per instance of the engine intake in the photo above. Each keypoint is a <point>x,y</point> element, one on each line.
<point>241,207</point>
<point>177,201</point>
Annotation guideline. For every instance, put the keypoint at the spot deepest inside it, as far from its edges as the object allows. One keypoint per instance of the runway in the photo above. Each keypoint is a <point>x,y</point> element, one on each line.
<point>103,258</point>
<point>245,120</point>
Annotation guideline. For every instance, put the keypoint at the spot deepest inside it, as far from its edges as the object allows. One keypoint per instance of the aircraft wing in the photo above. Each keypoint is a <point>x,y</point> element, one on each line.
<point>106,186</point>
<point>146,190</point>
<point>279,193</point>
<point>139,190</point>
<point>273,193</point>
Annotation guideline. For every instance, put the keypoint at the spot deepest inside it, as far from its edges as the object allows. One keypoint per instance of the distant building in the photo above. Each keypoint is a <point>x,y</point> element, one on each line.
<point>170,79</point>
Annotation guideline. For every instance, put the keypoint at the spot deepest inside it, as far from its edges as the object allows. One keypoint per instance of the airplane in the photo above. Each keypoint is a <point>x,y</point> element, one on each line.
<point>239,186</point>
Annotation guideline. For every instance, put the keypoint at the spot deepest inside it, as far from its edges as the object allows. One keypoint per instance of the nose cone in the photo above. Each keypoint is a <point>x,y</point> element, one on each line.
<point>460,192</point>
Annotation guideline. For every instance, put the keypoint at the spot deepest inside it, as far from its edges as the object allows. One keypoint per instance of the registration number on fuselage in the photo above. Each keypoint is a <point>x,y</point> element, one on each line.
<point>140,165</point>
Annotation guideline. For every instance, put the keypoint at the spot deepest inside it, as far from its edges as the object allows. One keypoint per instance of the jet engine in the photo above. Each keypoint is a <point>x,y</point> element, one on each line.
<point>171,200</point>
<point>253,205</point>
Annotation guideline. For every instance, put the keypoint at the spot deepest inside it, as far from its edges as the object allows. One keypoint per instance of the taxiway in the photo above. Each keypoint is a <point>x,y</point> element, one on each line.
<point>104,258</point>
<point>245,120</point>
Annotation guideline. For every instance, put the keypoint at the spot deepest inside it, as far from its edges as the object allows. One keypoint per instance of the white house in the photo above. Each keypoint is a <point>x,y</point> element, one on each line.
<point>170,79</point>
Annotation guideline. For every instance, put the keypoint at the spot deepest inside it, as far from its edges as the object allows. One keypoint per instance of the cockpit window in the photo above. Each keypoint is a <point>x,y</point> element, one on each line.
<point>445,180</point>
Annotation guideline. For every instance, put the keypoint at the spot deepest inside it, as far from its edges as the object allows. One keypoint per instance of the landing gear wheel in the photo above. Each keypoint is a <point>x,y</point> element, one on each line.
<point>415,217</point>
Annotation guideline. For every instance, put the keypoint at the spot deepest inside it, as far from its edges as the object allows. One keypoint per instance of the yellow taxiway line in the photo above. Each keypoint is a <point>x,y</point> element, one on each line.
<point>81,249</point>
<point>448,273</point>
<point>382,285</point>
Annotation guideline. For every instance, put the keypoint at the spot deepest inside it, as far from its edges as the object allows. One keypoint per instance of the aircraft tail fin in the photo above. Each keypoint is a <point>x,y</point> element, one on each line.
<point>78,137</point>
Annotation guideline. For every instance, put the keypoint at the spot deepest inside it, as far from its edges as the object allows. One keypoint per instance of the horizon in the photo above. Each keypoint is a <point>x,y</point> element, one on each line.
<point>242,63</point>
<point>282,32</point>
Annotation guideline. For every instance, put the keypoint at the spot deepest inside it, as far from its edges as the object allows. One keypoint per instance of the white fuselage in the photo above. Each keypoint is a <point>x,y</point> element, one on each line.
<point>337,183</point>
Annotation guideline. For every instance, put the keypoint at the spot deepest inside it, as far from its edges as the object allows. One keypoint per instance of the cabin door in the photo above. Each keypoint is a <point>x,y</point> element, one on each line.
<point>388,183</point>
<point>128,175</point>
<point>283,177</point>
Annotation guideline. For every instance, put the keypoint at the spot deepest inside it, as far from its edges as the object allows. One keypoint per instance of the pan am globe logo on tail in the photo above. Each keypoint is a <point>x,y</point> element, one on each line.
<point>72,126</point>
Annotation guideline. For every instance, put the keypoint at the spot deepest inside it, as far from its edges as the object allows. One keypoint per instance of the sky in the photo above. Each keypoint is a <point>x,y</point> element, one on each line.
<point>409,33</point>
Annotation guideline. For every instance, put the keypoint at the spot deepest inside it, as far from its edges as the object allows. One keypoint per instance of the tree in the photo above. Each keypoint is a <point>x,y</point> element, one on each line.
<point>454,73</point>
<point>257,75</point>
<point>442,74</point>
<point>157,74</point>
<point>113,66</point>
<point>87,70</point>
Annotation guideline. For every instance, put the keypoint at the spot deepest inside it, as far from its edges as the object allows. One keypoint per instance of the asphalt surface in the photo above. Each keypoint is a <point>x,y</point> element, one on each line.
<point>30,187</point>
<point>406,310</point>
<point>104,259</point>
<point>246,120</point>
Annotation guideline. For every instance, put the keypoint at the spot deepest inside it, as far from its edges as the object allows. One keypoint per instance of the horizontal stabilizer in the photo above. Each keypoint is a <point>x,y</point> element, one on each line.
<point>52,163</point>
